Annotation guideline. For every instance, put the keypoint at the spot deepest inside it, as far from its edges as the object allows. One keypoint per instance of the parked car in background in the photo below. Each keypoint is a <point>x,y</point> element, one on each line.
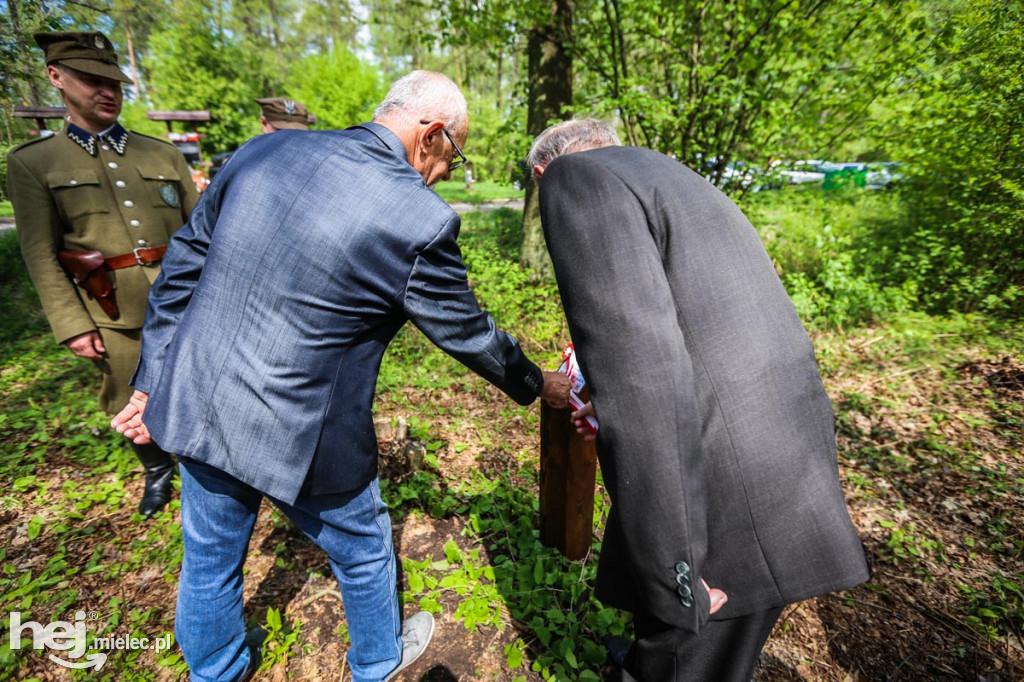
<point>881,174</point>
<point>801,172</point>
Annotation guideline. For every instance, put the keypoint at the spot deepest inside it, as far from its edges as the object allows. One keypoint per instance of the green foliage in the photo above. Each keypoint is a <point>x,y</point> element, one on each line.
<point>336,87</point>
<point>133,117</point>
<point>960,239</point>
<point>712,83</point>
<point>23,316</point>
<point>281,641</point>
<point>810,237</point>
<point>194,66</point>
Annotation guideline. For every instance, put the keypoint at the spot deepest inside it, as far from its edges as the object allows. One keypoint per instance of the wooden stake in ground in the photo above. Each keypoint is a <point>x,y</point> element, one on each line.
<point>568,473</point>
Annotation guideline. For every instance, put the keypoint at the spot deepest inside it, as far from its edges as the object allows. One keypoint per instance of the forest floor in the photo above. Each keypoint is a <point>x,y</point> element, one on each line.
<point>929,429</point>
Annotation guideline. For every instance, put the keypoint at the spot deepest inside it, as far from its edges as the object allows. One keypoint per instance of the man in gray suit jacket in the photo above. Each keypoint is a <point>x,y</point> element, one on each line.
<point>716,435</point>
<point>261,348</point>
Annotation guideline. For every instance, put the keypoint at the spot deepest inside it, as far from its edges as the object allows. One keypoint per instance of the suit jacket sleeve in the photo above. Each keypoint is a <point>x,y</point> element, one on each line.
<point>623,320</point>
<point>173,288</point>
<point>438,300</point>
<point>40,235</point>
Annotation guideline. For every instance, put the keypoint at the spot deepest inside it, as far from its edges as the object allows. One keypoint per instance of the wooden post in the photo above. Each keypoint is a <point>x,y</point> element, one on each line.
<point>568,473</point>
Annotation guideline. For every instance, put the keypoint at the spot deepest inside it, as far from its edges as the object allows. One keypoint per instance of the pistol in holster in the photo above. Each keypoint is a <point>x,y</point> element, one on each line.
<point>89,270</point>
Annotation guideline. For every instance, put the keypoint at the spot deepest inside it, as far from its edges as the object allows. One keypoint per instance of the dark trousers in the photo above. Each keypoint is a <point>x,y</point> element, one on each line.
<point>724,651</point>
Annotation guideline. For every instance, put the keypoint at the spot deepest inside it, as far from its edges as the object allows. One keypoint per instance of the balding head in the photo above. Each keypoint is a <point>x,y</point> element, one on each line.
<point>577,135</point>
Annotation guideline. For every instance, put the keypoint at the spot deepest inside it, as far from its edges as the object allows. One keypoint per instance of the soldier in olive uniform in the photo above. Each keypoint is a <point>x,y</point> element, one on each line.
<point>280,113</point>
<point>95,186</point>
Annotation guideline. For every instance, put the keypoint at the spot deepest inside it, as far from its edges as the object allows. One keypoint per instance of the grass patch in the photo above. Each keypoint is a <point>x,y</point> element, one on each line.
<point>6,209</point>
<point>454,191</point>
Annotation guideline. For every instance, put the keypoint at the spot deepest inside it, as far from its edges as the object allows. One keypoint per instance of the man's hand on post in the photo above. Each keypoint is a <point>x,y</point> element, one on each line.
<point>128,421</point>
<point>556,389</point>
<point>88,345</point>
<point>579,419</point>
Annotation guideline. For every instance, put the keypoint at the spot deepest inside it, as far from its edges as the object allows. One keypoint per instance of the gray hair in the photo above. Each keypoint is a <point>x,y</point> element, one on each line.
<point>577,135</point>
<point>424,95</point>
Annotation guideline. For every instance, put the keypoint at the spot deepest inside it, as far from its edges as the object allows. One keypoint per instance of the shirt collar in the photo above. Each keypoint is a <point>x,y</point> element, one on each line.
<point>116,136</point>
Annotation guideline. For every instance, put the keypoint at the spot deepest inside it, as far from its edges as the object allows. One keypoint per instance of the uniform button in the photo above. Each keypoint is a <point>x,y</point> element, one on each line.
<point>121,183</point>
<point>129,203</point>
<point>134,223</point>
<point>682,568</point>
<point>142,242</point>
<point>73,182</point>
<point>160,177</point>
<point>112,164</point>
<point>105,148</point>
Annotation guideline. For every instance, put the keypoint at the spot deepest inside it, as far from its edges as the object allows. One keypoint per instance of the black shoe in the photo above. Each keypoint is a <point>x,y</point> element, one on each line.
<point>617,648</point>
<point>254,638</point>
<point>159,468</point>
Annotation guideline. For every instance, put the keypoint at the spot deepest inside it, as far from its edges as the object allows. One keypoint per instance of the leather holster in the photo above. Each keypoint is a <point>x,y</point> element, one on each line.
<point>88,269</point>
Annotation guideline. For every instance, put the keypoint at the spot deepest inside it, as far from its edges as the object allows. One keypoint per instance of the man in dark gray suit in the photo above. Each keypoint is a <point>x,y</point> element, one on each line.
<point>261,348</point>
<point>716,435</point>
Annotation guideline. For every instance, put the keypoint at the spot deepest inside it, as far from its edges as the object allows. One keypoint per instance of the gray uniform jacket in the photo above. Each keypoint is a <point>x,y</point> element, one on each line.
<point>716,435</point>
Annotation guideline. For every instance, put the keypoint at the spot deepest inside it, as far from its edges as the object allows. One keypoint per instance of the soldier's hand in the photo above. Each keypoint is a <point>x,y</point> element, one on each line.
<point>88,345</point>
<point>556,389</point>
<point>129,420</point>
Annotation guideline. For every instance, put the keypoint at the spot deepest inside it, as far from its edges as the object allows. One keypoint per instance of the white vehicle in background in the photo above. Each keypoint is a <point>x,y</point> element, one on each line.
<point>880,174</point>
<point>801,172</point>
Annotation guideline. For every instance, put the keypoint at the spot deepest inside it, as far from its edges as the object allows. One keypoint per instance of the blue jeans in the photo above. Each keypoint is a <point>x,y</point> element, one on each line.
<point>218,513</point>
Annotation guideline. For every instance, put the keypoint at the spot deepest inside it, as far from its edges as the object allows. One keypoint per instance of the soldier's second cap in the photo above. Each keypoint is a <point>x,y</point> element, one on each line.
<point>86,51</point>
<point>281,112</point>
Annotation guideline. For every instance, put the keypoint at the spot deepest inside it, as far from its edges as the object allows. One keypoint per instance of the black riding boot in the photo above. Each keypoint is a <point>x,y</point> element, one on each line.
<point>159,468</point>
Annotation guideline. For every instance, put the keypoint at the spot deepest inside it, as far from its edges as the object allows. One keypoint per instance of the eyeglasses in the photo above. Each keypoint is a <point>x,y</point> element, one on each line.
<point>458,159</point>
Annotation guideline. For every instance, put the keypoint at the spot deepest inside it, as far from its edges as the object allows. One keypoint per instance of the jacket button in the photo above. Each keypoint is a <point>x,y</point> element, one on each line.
<point>684,591</point>
<point>121,183</point>
<point>682,568</point>
<point>686,601</point>
<point>112,164</point>
<point>134,223</point>
<point>129,203</point>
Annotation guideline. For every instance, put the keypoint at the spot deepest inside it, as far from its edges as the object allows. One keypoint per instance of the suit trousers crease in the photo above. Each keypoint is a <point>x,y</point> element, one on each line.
<point>724,651</point>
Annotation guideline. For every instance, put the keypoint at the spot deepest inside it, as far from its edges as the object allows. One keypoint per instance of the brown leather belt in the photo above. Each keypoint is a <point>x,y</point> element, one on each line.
<point>136,257</point>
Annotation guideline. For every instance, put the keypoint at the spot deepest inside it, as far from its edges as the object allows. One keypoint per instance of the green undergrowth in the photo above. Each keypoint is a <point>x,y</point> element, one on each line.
<point>923,427</point>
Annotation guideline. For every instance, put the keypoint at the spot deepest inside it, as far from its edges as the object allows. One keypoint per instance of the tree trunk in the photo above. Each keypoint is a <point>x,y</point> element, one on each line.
<point>550,95</point>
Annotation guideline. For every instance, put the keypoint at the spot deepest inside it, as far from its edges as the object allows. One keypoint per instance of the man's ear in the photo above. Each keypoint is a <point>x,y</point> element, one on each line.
<point>538,171</point>
<point>55,76</point>
<point>428,137</point>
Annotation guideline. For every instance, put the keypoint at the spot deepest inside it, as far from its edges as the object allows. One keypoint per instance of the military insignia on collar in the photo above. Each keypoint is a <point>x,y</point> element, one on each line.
<point>169,195</point>
<point>118,138</point>
<point>289,107</point>
<point>83,138</point>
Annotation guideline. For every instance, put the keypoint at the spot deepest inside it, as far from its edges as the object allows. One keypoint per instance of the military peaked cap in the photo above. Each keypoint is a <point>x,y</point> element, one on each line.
<point>86,51</point>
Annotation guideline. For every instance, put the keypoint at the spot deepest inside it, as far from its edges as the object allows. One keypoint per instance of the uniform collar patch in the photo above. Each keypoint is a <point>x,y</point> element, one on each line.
<point>83,138</point>
<point>116,137</point>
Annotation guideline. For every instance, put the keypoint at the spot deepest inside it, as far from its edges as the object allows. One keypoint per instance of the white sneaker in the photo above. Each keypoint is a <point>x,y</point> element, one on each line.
<point>416,633</point>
